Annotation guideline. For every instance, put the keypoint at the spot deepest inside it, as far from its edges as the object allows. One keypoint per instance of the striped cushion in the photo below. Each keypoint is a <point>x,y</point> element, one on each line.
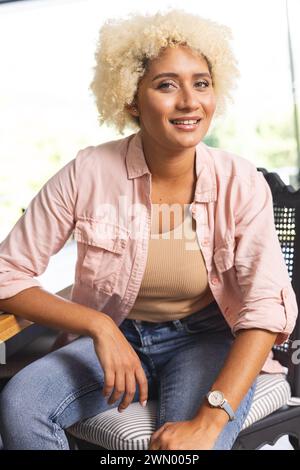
<point>132,429</point>
<point>272,392</point>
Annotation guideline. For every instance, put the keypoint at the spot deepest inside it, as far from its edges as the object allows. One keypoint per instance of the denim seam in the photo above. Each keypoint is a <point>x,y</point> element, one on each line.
<point>135,325</point>
<point>244,415</point>
<point>56,435</point>
<point>162,408</point>
<point>82,391</point>
<point>63,406</point>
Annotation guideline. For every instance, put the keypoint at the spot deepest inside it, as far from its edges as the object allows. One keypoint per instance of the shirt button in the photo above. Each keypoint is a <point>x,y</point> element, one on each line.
<point>214,280</point>
<point>205,242</point>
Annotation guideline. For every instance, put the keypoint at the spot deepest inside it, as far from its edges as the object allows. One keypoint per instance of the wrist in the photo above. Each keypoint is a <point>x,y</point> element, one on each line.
<point>98,324</point>
<point>211,418</point>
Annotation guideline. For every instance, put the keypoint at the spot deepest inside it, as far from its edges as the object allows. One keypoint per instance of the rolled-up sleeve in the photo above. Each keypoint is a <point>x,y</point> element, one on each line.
<point>269,301</point>
<point>41,232</point>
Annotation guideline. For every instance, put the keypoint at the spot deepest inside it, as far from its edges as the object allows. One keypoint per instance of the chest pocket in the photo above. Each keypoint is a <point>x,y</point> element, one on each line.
<point>224,257</point>
<point>101,252</point>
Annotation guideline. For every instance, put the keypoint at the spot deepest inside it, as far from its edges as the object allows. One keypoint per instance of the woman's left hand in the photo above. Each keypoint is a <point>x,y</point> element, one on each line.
<point>183,435</point>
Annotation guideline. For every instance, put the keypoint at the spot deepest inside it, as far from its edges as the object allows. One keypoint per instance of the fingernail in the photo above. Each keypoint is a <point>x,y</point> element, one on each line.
<point>144,403</point>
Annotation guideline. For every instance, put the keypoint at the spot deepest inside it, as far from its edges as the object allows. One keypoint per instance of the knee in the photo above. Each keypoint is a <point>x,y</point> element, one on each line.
<point>18,397</point>
<point>12,398</point>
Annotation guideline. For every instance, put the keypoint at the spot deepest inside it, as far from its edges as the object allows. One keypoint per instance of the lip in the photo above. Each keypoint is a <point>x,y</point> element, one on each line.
<point>186,118</point>
<point>187,127</point>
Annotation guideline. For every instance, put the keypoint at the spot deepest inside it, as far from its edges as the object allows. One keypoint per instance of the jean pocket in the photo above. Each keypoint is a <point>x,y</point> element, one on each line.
<point>130,332</point>
<point>101,251</point>
<point>208,319</point>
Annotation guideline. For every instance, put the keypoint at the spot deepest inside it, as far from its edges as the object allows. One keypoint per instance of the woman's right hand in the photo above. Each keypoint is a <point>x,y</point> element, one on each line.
<point>121,365</point>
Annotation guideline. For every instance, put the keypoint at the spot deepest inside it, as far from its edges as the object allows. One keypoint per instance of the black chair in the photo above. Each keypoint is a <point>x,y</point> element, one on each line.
<point>286,203</point>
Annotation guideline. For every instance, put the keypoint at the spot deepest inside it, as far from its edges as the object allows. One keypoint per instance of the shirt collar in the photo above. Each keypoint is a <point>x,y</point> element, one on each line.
<point>205,190</point>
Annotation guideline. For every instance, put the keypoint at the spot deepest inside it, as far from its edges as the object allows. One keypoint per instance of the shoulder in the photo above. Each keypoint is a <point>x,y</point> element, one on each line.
<point>230,166</point>
<point>105,155</point>
<point>239,182</point>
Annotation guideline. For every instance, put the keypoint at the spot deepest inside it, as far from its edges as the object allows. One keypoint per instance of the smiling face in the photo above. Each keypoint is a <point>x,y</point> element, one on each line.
<point>176,86</point>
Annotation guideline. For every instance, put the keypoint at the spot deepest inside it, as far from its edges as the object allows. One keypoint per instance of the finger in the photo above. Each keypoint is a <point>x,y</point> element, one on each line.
<point>119,387</point>
<point>155,438</point>
<point>142,384</point>
<point>159,431</point>
<point>109,382</point>
<point>154,446</point>
<point>130,387</point>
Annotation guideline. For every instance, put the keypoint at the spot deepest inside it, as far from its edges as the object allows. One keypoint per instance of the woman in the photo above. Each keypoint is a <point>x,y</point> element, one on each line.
<point>171,318</point>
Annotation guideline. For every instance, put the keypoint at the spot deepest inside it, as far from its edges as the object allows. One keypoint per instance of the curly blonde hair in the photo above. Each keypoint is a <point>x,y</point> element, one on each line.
<point>126,46</point>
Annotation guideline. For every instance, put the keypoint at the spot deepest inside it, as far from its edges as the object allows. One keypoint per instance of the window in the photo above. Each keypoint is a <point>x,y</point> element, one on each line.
<point>47,112</point>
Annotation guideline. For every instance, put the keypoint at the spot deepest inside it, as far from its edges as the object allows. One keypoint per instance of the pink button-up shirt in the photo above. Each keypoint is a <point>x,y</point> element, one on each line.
<point>103,196</point>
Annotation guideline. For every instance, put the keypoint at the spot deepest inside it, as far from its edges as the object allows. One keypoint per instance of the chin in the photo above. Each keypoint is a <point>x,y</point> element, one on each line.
<point>189,140</point>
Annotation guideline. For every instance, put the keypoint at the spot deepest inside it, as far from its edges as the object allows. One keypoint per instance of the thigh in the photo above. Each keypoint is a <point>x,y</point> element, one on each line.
<point>187,377</point>
<point>64,385</point>
<point>189,374</point>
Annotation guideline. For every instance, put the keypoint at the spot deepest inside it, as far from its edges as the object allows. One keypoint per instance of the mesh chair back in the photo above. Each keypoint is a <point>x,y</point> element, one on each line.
<point>286,204</point>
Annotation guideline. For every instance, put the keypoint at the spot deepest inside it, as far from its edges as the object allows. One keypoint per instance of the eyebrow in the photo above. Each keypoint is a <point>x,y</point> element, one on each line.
<point>172,74</point>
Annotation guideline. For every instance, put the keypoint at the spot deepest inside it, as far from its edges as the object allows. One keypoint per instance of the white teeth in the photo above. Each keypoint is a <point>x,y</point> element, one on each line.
<point>185,122</point>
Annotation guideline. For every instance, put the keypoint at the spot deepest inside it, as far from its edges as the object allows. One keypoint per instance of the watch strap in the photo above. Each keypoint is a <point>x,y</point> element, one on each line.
<point>225,405</point>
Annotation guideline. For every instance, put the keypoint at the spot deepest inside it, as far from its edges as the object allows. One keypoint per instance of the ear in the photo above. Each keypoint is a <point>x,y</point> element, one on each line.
<point>132,109</point>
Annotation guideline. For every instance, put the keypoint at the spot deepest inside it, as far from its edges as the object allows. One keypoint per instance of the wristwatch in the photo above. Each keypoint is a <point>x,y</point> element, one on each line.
<point>216,400</point>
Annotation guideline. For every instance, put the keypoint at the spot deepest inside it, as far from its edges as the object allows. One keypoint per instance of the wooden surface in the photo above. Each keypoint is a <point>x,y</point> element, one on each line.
<point>10,325</point>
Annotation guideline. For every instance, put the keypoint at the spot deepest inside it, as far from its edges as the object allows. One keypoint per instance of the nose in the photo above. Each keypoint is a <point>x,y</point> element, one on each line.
<point>188,99</point>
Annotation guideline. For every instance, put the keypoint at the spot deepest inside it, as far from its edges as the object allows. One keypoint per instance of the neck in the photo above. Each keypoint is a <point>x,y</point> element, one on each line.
<point>169,166</point>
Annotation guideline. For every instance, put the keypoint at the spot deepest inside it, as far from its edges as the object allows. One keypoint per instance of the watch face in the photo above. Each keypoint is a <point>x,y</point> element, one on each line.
<point>216,398</point>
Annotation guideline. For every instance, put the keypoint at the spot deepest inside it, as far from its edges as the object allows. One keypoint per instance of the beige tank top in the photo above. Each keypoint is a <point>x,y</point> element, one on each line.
<point>175,282</point>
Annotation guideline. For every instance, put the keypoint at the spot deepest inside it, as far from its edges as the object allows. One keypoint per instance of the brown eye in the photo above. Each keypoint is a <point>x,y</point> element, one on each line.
<point>200,84</point>
<point>203,82</point>
<point>165,85</point>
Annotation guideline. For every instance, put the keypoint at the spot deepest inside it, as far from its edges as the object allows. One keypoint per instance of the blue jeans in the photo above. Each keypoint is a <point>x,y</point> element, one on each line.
<point>181,359</point>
